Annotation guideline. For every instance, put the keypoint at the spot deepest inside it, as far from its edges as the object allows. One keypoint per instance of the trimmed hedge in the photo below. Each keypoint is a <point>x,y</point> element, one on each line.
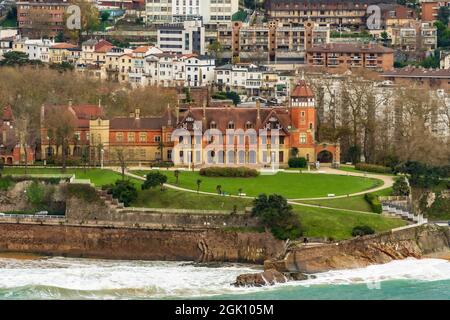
<point>297,162</point>
<point>162,164</point>
<point>372,168</point>
<point>239,172</point>
<point>374,202</point>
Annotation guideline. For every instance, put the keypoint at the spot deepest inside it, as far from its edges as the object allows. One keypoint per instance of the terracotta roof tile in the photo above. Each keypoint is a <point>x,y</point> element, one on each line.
<point>302,90</point>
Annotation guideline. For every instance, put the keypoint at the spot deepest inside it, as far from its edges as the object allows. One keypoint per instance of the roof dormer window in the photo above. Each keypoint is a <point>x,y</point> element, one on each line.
<point>213,125</point>
<point>231,125</point>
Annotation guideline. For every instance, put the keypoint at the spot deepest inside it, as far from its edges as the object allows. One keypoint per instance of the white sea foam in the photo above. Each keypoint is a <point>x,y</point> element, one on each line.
<point>143,279</point>
<point>411,268</point>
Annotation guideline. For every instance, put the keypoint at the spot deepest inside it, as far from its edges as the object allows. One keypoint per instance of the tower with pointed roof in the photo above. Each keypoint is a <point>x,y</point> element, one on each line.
<point>303,120</point>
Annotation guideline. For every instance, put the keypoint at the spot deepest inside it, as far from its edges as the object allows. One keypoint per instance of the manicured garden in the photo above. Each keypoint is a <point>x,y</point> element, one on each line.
<point>351,203</point>
<point>315,222</point>
<point>338,224</point>
<point>98,177</point>
<point>290,185</point>
<point>169,198</point>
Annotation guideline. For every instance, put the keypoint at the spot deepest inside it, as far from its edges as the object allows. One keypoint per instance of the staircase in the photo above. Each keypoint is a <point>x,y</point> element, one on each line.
<point>399,207</point>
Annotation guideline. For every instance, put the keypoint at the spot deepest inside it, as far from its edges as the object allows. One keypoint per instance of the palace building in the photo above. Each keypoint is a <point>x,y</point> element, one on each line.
<point>137,139</point>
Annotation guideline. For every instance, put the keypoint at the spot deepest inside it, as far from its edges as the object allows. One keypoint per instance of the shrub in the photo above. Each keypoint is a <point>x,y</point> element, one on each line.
<point>35,194</point>
<point>297,162</point>
<point>372,168</point>
<point>84,191</point>
<point>400,187</point>
<point>375,204</point>
<point>5,183</point>
<point>124,191</point>
<point>275,213</point>
<point>362,230</point>
<point>154,179</point>
<point>239,172</point>
<point>161,164</point>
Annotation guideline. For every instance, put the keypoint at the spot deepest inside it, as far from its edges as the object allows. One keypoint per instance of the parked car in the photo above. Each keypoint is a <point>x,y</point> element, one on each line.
<point>41,213</point>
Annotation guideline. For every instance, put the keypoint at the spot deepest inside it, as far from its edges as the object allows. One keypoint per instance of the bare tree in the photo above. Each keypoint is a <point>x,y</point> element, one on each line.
<point>122,160</point>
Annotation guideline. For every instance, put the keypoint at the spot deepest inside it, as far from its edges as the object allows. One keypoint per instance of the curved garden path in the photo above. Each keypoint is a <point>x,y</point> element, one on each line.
<point>388,181</point>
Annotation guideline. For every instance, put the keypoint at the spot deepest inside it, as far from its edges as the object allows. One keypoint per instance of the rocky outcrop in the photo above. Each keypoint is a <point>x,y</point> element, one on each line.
<point>268,277</point>
<point>142,244</point>
<point>360,252</point>
<point>417,242</point>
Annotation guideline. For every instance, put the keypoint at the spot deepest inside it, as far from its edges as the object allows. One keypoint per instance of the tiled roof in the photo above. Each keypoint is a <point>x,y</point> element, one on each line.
<point>142,123</point>
<point>239,116</point>
<point>141,49</point>
<point>411,72</point>
<point>103,46</point>
<point>81,113</point>
<point>302,90</point>
<point>63,45</point>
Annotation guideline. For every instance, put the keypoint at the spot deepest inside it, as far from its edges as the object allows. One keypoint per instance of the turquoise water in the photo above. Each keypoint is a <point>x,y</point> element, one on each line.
<point>67,278</point>
<point>389,290</point>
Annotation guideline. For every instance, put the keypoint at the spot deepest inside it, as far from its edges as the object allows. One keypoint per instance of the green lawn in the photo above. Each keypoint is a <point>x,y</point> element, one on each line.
<point>289,185</point>
<point>98,177</point>
<point>170,198</point>
<point>320,222</point>
<point>351,203</point>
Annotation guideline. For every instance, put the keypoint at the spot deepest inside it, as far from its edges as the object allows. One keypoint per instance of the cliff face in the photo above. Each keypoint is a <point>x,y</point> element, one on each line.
<point>127,243</point>
<point>360,252</point>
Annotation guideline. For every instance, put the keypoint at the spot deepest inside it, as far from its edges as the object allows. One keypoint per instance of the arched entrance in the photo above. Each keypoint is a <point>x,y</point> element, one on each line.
<point>325,156</point>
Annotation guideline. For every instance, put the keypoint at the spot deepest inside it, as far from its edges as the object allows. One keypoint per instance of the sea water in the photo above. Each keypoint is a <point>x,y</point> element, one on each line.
<point>69,278</point>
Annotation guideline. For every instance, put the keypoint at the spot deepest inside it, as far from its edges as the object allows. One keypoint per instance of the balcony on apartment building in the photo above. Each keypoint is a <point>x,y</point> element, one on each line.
<point>317,56</point>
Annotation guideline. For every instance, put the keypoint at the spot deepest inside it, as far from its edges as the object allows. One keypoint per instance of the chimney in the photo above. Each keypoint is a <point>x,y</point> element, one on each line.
<point>169,115</point>
<point>204,113</point>
<point>258,113</point>
<point>137,112</point>
<point>99,102</point>
<point>70,102</point>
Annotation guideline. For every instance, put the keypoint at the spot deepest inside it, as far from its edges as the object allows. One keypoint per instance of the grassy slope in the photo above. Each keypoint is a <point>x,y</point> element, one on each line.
<point>289,185</point>
<point>320,222</point>
<point>351,203</point>
<point>170,198</point>
<point>97,176</point>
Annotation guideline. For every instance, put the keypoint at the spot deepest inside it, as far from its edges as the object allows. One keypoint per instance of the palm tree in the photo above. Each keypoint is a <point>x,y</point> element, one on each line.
<point>219,189</point>
<point>176,173</point>
<point>199,182</point>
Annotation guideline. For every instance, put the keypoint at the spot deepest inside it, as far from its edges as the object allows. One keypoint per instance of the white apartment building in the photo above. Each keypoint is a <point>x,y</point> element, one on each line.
<point>7,38</point>
<point>182,38</point>
<point>251,79</point>
<point>36,49</point>
<point>209,11</point>
<point>200,71</point>
<point>161,69</point>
